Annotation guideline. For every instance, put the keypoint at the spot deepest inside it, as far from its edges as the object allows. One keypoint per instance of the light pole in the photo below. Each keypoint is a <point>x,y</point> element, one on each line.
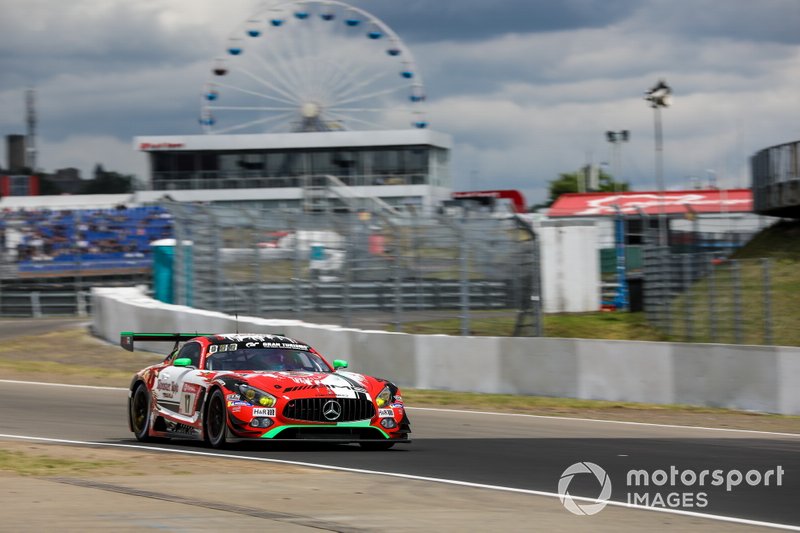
<point>660,96</point>
<point>616,138</point>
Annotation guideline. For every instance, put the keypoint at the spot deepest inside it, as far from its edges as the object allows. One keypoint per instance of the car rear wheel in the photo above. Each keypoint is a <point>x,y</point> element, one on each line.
<point>140,412</point>
<point>375,446</point>
<point>215,424</point>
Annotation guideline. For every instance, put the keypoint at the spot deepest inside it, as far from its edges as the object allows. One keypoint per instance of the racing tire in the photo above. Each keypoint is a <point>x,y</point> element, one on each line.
<point>375,446</point>
<point>215,424</point>
<point>140,413</point>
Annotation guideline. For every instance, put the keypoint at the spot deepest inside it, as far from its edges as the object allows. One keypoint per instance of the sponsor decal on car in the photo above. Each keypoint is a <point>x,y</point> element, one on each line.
<point>233,397</point>
<point>386,413</point>
<point>167,386</point>
<point>191,387</point>
<point>264,411</point>
<point>214,348</point>
<point>231,404</point>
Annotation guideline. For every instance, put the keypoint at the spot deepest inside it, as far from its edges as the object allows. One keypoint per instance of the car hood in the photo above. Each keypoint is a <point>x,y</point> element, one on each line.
<point>304,384</point>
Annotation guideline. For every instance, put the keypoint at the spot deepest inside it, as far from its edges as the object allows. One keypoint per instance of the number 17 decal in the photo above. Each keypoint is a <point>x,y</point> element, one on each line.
<point>189,396</point>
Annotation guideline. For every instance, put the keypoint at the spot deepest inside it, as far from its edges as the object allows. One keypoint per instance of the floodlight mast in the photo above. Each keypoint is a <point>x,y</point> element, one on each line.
<point>616,138</point>
<point>660,96</point>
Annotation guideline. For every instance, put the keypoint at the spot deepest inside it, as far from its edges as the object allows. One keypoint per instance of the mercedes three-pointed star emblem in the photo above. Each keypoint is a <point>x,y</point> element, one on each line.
<point>332,410</point>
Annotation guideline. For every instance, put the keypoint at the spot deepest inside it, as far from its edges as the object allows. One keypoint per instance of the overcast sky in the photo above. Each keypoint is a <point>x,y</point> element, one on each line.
<point>527,88</point>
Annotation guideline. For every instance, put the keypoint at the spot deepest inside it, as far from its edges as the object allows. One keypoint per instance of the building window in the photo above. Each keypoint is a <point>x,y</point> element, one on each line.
<point>20,185</point>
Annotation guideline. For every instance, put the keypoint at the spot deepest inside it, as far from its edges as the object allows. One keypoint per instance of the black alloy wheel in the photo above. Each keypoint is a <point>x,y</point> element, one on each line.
<point>139,409</point>
<point>216,424</point>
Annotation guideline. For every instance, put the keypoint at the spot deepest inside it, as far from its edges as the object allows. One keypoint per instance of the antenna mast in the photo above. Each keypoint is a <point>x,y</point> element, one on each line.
<point>30,139</point>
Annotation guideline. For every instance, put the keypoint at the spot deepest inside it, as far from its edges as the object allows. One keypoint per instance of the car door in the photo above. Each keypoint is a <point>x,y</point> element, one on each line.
<point>172,390</point>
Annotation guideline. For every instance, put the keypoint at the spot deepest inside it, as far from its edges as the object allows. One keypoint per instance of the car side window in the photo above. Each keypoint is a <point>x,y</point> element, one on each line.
<point>171,357</point>
<point>191,351</point>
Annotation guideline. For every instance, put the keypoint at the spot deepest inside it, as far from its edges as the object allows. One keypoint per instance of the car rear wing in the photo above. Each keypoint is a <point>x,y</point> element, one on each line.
<point>128,338</point>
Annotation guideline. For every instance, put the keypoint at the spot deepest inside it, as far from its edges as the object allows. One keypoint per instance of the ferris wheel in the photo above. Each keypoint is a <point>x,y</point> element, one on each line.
<point>316,65</point>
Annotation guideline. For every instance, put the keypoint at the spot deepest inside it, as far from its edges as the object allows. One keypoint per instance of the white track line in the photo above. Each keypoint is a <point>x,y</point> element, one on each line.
<point>693,514</point>
<point>60,385</point>
<point>465,411</point>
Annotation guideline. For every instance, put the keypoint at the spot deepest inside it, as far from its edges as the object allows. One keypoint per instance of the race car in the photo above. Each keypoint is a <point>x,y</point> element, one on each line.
<point>225,387</point>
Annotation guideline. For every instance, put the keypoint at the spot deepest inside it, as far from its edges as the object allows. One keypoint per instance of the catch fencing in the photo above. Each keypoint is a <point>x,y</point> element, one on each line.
<point>365,269</point>
<point>709,297</point>
<point>44,303</point>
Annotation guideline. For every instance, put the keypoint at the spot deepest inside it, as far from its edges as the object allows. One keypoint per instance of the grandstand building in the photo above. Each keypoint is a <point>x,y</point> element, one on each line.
<point>776,180</point>
<point>310,171</point>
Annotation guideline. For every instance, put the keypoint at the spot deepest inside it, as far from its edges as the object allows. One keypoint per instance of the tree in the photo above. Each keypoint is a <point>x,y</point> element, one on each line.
<point>107,182</point>
<point>47,187</point>
<point>569,182</point>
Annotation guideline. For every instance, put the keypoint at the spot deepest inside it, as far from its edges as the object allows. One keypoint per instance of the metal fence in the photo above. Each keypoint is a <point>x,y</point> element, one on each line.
<point>359,268</point>
<point>706,297</point>
<point>44,303</point>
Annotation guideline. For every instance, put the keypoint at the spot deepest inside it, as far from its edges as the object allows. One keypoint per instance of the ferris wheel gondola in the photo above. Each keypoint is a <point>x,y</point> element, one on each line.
<point>313,65</point>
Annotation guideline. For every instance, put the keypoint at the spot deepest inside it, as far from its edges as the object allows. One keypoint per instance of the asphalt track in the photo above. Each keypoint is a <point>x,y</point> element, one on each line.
<point>514,452</point>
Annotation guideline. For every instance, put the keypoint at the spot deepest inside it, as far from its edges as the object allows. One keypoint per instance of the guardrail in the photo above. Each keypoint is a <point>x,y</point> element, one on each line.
<point>759,378</point>
<point>39,304</point>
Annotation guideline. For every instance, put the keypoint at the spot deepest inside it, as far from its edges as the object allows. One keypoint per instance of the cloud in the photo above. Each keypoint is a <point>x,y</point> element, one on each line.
<point>423,21</point>
<point>526,88</point>
<point>743,20</point>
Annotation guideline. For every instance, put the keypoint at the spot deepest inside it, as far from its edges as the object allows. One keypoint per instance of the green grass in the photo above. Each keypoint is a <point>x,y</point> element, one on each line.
<point>694,314</point>
<point>96,374</point>
<point>700,318</point>
<point>599,325</point>
<point>779,241</point>
<point>41,465</point>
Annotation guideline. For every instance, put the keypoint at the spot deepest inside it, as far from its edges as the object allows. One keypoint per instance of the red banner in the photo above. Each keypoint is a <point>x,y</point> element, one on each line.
<point>652,203</point>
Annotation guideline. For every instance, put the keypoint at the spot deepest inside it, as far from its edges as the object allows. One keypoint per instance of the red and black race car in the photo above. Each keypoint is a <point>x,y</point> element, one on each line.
<point>226,387</point>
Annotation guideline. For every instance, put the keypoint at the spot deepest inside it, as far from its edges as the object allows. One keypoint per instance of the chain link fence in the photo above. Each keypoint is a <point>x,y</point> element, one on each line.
<point>359,268</point>
<point>706,297</point>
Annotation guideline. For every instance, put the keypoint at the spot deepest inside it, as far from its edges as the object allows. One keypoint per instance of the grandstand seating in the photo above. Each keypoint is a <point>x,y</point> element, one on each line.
<point>91,239</point>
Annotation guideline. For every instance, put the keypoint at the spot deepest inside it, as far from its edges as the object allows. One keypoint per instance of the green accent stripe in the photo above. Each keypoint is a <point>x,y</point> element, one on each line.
<point>159,336</point>
<point>271,434</point>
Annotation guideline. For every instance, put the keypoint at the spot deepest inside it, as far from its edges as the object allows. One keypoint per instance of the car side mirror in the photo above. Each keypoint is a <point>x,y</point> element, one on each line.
<point>183,361</point>
<point>339,363</point>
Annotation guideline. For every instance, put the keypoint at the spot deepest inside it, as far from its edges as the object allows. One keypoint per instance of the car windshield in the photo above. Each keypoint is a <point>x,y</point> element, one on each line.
<point>266,359</point>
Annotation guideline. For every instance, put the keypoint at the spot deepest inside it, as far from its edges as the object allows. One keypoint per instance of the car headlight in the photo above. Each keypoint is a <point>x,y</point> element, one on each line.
<point>256,396</point>
<point>384,397</point>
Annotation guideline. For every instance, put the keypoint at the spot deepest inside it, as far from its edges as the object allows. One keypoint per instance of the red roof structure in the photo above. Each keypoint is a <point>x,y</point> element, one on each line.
<point>596,204</point>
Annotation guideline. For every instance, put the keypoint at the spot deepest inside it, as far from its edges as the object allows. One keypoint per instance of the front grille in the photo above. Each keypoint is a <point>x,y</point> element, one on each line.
<point>313,409</point>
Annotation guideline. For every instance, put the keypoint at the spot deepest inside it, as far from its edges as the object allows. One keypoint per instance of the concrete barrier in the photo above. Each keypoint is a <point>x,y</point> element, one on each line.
<point>759,378</point>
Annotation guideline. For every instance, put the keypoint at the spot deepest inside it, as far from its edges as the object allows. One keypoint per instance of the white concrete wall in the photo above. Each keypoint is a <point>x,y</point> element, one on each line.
<point>760,378</point>
<point>570,266</point>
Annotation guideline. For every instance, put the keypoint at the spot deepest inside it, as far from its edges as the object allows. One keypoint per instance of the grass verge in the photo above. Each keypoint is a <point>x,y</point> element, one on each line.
<point>27,464</point>
<point>599,325</point>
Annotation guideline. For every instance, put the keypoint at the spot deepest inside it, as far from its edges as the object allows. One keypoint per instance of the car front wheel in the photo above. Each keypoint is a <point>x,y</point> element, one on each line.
<point>139,406</point>
<point>216,425</point>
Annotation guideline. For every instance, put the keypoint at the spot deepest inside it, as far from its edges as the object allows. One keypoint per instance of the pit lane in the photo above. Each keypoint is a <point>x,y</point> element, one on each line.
<point>507,452</point>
